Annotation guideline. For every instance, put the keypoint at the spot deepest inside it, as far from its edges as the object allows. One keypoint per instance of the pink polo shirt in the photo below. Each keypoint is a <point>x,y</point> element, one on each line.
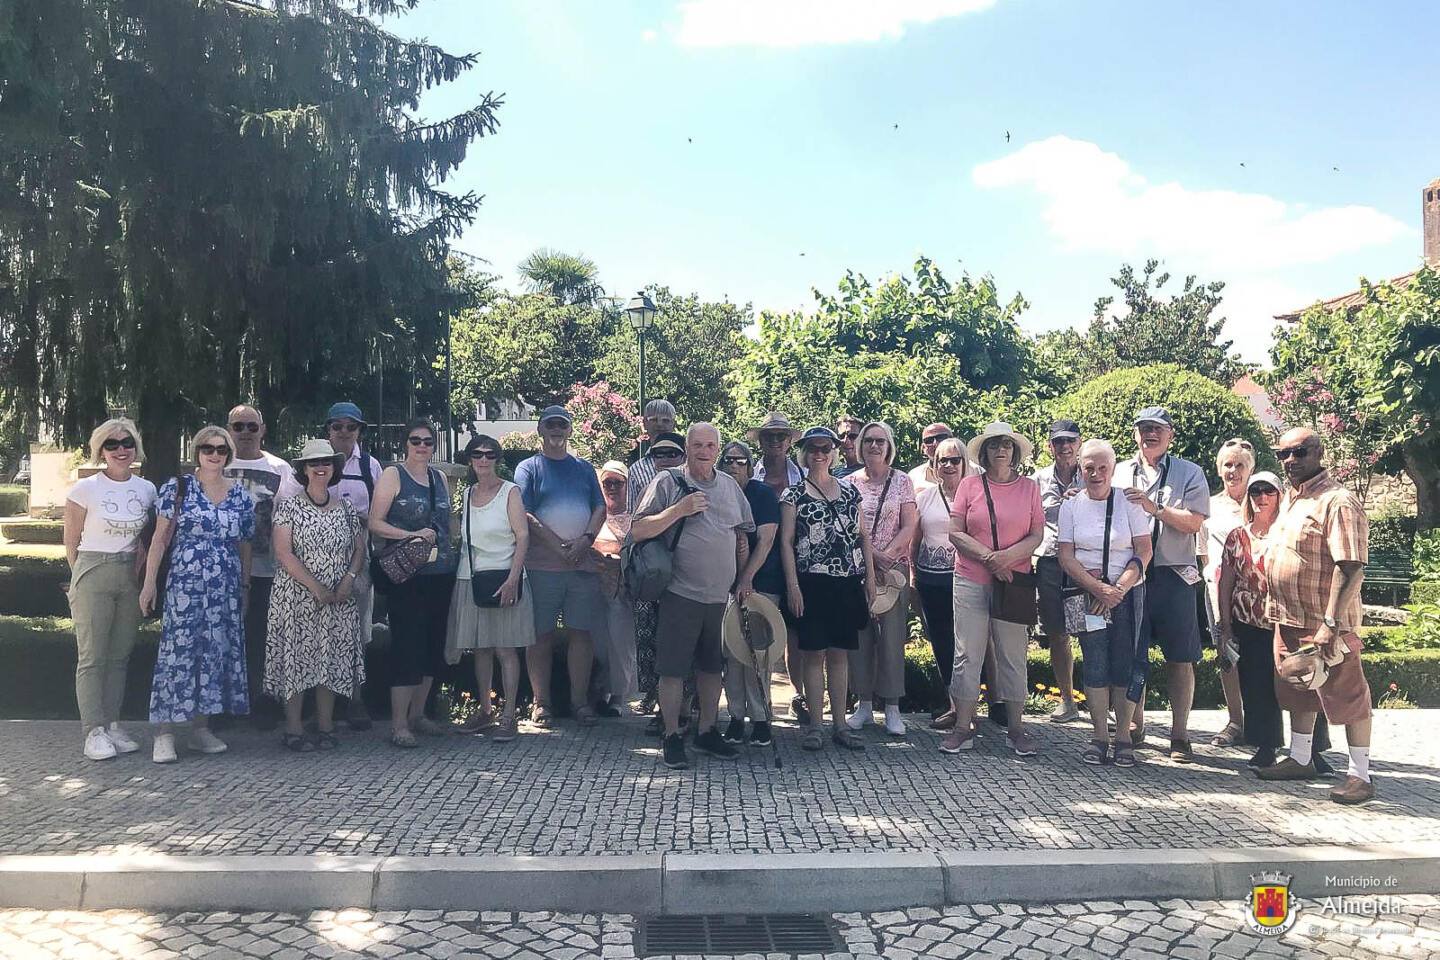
<point>1017,512</point>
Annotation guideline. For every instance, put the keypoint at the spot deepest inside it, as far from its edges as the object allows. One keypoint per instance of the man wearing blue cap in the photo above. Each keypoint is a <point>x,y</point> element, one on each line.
<point>1176,495</point>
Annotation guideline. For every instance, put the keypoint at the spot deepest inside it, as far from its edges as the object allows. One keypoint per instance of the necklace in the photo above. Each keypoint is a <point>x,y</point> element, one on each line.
<point>318,503</point>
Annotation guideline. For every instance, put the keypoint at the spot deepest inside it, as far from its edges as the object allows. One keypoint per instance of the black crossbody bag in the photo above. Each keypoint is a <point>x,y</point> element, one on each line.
<point>485,584</point>
<point>1013,601</point>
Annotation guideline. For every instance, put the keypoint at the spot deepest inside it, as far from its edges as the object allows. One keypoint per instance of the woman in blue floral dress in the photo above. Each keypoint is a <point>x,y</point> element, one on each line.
<point>200,665</point>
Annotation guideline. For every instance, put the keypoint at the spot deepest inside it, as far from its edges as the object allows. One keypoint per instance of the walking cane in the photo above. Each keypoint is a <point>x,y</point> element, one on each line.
<point>763,679</point>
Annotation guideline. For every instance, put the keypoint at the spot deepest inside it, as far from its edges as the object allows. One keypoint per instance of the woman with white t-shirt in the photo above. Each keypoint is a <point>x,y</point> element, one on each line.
<point>105,515</point>
<point>1104,545</point>
<point>488,613</point>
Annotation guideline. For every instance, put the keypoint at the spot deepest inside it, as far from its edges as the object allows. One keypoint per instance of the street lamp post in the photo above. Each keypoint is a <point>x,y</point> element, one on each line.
<point>640,311</point>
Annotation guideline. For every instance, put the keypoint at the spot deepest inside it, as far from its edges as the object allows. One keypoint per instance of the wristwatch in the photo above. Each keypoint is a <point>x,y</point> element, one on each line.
<point>1330,622</point>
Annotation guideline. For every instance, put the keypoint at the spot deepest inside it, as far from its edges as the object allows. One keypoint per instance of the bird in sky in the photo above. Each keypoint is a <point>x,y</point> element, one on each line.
<point>1242,163</point>
<point>896,127</point>
<point>689,140</point>
<point>1007,136</point>
<point>1336,169</point>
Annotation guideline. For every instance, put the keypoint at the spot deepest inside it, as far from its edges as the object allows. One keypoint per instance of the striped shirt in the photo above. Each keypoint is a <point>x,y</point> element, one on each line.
<point>1320,524</point>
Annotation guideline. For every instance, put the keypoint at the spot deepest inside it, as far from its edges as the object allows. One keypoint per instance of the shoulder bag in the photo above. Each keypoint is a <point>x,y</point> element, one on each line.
<point>648,566</point>
<point>400,560</point>
<point>485,584</point>
<point>1075,598</point>
<point>1011,601</point>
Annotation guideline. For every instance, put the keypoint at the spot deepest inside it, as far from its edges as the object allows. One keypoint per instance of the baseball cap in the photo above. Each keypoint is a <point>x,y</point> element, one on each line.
<point>345,410</point>
<point>668,441</point>
<point>1154,415</point>
<point>615,467</point>
<point>555,411</point>
<point>1065,428</point>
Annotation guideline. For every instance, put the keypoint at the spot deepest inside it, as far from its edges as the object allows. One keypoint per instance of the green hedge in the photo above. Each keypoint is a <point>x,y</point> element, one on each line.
<point>1425,591</point>
<point>14,500</point>
<point>33,587</point>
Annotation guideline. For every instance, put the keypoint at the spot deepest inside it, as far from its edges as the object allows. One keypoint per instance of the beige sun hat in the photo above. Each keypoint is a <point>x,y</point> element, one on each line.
<point>887,591</point>
<point>773,423</point>
<point>999,429</point>
<point>758,636</point>
<point>315,451</point>
<point>615,467</point>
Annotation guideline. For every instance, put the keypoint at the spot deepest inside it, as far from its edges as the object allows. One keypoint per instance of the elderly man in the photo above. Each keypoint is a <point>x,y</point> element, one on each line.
<point>1315,558</point>
<point>344,426</point>
<point>716,517</point>
<point>1176,495</point>
<point>1058,482</point>
<point>923,474</point>
<point>775,436</point>
<point>659,421</point>
<point>613,685</point>
<point>566,510</point>
<point>848,428</point>
<point>261,474</point>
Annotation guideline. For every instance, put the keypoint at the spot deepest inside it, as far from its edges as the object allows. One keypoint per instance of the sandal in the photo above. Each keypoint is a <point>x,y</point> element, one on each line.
<point>505,732</point>
<point>296,742</point>
<point>1227,737</point>
<point>404,738</point>
<point>812,740</point>
<point>1124,755</point>
<point>1137,737</point>
<point>325,740</point>
<point>424,726</point>
<point>845,737</point>
<point>1094,752</point>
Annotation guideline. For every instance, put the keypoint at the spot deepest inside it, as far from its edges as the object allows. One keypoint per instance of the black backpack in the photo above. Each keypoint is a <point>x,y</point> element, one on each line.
<point>648,566</point>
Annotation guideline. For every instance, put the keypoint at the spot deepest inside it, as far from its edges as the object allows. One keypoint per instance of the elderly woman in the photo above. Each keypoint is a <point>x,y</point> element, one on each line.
<point>996,524</point>
<point>747,694</point>
<point>412,500</point>
<point>887,510</point>
<point>829,581</point>
<point>312,636</point>
<point>105,515</point>
<point>933,578</point>
<point>1242,623</point>
<point>1234,461</point>
<point>613,681</point>
<point>487,614</point>
<point>1104,547</point>
<point>200,663</point>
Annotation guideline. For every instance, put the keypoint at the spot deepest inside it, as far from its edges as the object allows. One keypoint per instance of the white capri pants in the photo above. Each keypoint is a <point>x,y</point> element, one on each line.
<point>975,630</point>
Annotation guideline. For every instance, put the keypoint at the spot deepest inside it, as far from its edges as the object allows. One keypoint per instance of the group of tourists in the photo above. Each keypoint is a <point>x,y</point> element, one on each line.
<point>815,542</point>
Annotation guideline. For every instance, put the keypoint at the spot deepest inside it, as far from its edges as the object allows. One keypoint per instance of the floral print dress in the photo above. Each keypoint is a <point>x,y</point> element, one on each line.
<point>200,665</point>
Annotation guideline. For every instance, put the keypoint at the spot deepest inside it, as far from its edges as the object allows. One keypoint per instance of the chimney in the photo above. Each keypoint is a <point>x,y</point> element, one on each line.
<point>1431,220</point>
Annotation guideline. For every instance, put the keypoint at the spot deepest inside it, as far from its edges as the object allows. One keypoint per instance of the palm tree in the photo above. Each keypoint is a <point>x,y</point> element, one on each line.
<point>572,279</point>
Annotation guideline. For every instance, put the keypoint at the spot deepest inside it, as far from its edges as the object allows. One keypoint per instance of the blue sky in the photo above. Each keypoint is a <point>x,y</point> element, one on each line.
<point>708,144</point>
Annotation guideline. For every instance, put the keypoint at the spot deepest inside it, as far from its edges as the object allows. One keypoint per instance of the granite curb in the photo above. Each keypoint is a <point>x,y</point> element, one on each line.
<point>676,883</point>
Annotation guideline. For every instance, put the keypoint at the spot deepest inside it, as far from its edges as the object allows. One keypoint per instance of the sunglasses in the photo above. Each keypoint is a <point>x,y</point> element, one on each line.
<point>213,449</point>
<point>1063,441</point>
<point>874,441</point>
<point>667,453</point>
<point>824,449</point>
<point>612,484</point>
<point>484,455</point>
<point>951,461</point>
<point>732,461</point>
<point>1299,453</point>
<point>343,426</point>
<point>112,445</point>
<point>246,426</point>
<point>773,437</point>
<point>418,441</point>
<point>936,438</point>
<point>1265,491</point>
<point>851,436</point>
<point>555,424</point>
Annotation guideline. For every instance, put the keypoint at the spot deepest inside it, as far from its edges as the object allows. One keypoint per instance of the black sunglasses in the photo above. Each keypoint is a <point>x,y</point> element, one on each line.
<point>951,461</point>
<point>1299,453</point>
<point>419,441</point>
<point>880,440</point>
<point>343,426</point>
<point>212,449</point>
<point>936,438</point>
<point>731,461</point>
<point>824,449</point>
<point>112,445</point>
<point>1263,489</point>
<point>667,453</point>
<point>612,484</point>
<point>850,435</point>
<point>245,426</point>
<point>484,455</point>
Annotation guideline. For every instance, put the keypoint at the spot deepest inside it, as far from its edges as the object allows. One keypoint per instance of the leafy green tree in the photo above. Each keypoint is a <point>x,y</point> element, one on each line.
<point>1205,412</point>
<point>214,200</point>
<point>569,278</point>
<point>1180,328</point>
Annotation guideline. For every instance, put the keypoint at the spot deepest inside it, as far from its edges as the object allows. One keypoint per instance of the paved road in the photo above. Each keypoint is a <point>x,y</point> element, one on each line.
<point>603,791</point>
<point>1140,930</point>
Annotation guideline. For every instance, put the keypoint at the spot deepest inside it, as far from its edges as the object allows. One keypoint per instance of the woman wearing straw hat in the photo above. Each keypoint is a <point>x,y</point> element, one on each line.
<point>996,524</point>
<point>312,630</point>
<point>829,581</point>
<point>887,510</point>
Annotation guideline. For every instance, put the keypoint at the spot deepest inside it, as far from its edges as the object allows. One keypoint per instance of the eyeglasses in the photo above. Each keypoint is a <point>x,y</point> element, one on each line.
<point>732,461</point>
<point>1063,441</point>
<point>343,426</point>
<point>1266,491</point>
<point>873,441</point>
<point>1299,453</point>
<point>1237,442</point>
<point>555,423</point>
<point>612,484</point>
<point>484,455</point>
<point>951,461</point>
<point>935,438</point>
<point>213,449</point>
<point>667,453</point>
<point>419,441</point>
<point>851,435</point>
<point>774,437</point>
<point>824,449</point>
<point>245,426</point>
<point>112,445</point>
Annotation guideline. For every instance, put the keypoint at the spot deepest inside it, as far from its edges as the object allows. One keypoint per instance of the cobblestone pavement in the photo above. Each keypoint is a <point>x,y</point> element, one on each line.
<point>602,790</point>
<point>1190,930</point>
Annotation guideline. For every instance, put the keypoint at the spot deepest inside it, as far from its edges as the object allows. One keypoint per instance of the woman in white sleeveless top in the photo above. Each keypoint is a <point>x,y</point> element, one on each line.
<point>493,540</point>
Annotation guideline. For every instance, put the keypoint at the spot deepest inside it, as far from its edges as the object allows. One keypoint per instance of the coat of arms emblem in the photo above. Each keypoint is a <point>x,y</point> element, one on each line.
<point>1272,908</point>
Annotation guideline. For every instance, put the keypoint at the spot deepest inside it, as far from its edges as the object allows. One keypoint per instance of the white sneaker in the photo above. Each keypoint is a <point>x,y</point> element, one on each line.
<point>164,751</point>
<point>894,724</point>
<point>206,742</point>
<point>864,713</point>
<point>124,743</point>
<point>98,745</point>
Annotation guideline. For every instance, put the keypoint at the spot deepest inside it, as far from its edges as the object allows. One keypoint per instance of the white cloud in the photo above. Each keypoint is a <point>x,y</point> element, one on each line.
<point>649,36</point>
<point>1094,202</point>
<point>795,23</point>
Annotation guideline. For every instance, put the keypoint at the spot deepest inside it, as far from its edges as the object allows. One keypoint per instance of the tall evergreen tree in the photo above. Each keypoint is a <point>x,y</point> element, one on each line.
<point>207,200</point>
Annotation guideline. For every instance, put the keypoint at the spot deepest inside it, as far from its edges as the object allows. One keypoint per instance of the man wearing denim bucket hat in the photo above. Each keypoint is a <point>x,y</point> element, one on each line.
<point>1176,495</point>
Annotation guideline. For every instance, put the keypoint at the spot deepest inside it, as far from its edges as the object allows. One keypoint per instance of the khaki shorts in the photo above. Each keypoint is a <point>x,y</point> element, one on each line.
<point>1345,697</point>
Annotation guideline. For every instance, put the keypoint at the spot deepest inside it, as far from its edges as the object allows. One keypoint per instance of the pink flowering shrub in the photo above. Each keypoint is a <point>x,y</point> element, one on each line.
<point>606,422</point>
<point>1354,439</point>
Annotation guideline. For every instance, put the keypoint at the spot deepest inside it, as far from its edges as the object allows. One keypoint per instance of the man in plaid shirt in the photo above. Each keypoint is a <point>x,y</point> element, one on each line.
<point>1315,560</point>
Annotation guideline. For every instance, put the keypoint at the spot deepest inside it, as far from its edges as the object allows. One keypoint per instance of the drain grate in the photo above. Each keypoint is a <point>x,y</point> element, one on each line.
<point>734,934</point>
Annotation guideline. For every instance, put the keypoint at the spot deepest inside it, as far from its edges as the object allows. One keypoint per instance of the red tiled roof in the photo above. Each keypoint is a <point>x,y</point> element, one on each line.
<point>1349,301</point>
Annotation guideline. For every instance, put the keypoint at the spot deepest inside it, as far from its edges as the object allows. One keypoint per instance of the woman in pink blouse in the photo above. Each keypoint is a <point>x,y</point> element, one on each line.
<point>888,514</point>
<point>996,524</point>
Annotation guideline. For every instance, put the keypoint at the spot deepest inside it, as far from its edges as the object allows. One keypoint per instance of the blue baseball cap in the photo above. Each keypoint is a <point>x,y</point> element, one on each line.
<point>556,411</point>
<point>1154,415</point>
<point>345,410</point>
